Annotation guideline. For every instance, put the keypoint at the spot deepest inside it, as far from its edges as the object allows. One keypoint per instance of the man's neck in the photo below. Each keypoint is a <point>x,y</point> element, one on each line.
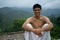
<point>37,17</point>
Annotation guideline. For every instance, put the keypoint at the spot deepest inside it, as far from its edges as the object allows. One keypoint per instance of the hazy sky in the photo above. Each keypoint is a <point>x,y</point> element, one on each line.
<point>29,3</point>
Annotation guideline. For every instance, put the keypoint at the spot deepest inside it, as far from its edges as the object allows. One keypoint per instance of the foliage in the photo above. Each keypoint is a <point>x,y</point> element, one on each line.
<point>55,32</point>
<point>18,24</point>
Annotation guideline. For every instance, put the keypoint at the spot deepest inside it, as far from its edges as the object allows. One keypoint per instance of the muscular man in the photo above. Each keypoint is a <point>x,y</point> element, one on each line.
<point>37,21</point>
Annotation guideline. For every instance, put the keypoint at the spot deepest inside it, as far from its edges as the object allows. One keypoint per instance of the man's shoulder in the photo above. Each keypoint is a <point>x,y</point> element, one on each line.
<point>44,16</point>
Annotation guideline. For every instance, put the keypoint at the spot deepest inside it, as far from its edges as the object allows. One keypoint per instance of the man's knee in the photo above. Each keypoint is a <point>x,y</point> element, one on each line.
<point>45,25</point>
<point>29,25</point>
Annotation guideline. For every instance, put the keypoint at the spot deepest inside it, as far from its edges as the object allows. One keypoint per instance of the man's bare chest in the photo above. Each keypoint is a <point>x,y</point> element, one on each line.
<point>37,23</point>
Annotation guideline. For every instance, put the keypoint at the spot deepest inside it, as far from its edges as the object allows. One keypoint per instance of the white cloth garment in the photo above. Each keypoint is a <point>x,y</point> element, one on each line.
<point>31,36</point>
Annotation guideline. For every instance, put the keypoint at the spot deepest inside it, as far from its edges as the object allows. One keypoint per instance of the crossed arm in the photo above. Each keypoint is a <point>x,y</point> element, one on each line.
<point>25,27</point>
<point>50,25</point>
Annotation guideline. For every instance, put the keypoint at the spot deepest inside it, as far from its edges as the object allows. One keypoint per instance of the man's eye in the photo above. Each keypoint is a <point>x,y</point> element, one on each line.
<point>35,10</point>
<point>38,10</point>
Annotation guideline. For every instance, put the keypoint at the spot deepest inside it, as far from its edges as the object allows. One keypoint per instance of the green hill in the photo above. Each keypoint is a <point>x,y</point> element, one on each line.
<point>7,15</point>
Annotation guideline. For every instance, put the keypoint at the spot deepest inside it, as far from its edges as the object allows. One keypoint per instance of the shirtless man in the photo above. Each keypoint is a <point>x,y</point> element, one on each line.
<point>37,21</point>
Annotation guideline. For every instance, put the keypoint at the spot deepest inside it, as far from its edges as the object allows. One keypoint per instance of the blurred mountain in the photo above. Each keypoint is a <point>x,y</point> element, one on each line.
<point>46,12</point>
<point>7,14</point>
<point>14,13</point>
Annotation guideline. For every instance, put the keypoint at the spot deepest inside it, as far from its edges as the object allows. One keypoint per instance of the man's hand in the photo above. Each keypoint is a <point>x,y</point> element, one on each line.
<point>37,31</point>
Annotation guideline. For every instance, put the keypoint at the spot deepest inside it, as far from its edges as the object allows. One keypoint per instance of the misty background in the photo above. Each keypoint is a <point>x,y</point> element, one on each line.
<point>23,8</point>
<point>11,11</point>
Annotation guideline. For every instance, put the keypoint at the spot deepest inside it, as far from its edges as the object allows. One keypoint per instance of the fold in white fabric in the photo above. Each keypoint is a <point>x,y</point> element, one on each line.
<point>31,36</point>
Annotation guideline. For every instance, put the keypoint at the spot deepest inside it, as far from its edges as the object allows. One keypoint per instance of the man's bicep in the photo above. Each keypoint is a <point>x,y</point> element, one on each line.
<point>50,25</point>
<point>48,22</point>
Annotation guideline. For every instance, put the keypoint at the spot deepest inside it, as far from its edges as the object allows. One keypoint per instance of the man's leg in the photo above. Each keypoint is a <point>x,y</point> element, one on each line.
<point>46,34</point>
<point>32,36</point>
<point>28,35</point>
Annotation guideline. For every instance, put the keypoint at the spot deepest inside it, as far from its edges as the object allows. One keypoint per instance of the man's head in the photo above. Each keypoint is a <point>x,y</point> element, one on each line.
<point>37,9</point>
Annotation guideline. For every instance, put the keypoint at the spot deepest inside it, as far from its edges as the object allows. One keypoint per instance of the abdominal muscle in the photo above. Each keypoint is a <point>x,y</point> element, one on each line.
<point>37,25</point>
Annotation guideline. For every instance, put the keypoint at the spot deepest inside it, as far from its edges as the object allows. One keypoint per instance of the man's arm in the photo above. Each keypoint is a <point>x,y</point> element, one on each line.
<point>50,25</point>
<point>25,27</point>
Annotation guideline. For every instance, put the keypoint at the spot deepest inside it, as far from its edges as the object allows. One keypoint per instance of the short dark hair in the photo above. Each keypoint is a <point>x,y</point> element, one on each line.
<point>36,6</point>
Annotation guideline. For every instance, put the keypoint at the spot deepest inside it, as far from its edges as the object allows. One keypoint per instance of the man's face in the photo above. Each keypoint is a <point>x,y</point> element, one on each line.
<point>37,11</point>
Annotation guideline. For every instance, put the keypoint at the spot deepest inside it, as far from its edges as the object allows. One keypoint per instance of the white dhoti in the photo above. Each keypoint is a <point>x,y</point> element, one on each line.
<point>31,36</point>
